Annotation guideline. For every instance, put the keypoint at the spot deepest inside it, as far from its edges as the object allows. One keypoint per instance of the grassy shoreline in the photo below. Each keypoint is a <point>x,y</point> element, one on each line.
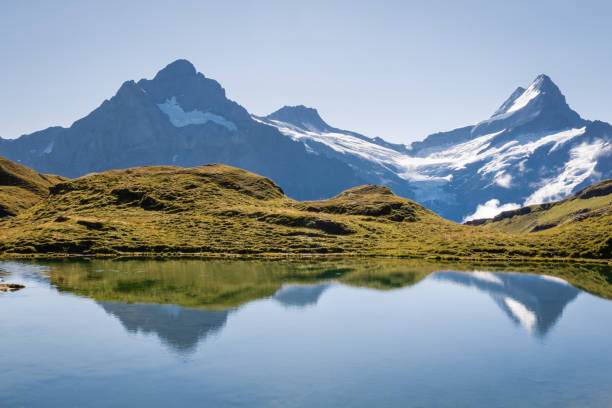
<point>305,256</point>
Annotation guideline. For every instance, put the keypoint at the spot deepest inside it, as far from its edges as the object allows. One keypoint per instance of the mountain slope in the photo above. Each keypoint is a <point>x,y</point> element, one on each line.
<point>593,201</point>
<point>217,209</point>
<point>21,187</point>
<point>181,118</point>
<point>533,149</point>
<point>587,212</point>
<point>372,159</point>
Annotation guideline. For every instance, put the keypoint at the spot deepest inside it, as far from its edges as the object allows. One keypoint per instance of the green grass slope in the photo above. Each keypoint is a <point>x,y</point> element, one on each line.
<point>593,201</point>
<point>586,215</point>
<point>22,187</point>
<point>217,209</point>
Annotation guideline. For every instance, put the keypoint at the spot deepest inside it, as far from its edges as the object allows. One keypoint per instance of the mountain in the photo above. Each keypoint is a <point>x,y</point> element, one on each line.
<point>217,209</point>
<point>21,187</point>
<point>180,118</point>
<point>372,159</point>
<point>533,149</point>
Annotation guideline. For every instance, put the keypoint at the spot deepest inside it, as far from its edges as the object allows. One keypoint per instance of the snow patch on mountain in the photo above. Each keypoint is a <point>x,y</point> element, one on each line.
<point>502,179</point>
<point>512,151</point>
<point>490,209</point>
<point>457,157</point>
<point>340,142</point>
<point>49,147</point>
<point>519,103</point>
<point>583,159</point>
<point>179,118</point>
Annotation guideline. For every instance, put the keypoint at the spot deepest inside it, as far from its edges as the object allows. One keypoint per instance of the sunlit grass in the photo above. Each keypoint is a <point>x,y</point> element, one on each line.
<point>219,210</point>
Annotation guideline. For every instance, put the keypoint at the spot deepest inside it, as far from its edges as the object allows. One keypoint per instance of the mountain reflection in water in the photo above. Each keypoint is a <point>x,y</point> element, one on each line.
<point>300,295</point>
<point>182,328</point>
<point>536,302</point>
<point>186,301</point>
<point>178,327</point>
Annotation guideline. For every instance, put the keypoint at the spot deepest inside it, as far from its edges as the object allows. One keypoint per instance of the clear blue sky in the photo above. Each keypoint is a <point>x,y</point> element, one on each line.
<point>395,69</point>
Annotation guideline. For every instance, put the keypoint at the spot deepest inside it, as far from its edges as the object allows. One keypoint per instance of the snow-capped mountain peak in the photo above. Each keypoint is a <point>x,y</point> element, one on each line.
<point>541,106</point>
<point>542,87</point>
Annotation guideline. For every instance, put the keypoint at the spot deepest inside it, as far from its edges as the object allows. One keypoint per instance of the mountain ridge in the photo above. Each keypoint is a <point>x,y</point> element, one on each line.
<point>534,148</point>
<point>179,117</point>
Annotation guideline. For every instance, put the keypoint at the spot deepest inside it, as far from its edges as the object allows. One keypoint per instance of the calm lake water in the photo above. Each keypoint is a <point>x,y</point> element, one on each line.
<point>276,334</point>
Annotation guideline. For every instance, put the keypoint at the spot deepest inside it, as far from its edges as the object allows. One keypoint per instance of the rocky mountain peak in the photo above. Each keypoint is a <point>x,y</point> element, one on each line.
<point>300,116</point>
<point>177,69</point>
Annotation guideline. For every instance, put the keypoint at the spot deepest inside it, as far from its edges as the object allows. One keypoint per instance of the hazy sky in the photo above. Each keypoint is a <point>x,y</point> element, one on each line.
<point>395,69</point>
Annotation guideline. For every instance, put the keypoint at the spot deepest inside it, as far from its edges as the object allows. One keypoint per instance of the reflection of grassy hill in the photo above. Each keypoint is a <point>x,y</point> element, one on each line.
<point>218,209</point>
<point>218,285</point>
<point>21,187</point>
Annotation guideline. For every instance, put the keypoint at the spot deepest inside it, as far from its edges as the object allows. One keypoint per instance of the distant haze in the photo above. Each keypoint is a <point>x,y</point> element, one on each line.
<point>399,70</point>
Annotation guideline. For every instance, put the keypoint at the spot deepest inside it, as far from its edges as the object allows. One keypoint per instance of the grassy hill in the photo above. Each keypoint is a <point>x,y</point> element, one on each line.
<point>217,209</point>
<point>588,212</point>
<point>22,187</point>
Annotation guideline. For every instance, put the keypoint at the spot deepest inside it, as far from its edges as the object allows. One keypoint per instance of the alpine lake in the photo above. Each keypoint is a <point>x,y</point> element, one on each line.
<point>304,333</point>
